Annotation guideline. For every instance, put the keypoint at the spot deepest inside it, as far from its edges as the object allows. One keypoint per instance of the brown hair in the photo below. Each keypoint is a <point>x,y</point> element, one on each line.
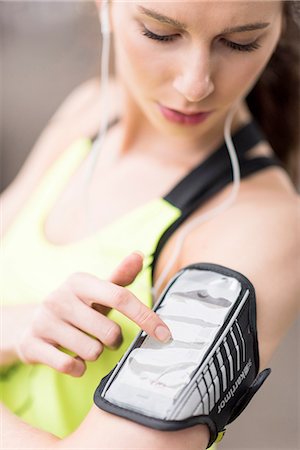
<point>275,99</point>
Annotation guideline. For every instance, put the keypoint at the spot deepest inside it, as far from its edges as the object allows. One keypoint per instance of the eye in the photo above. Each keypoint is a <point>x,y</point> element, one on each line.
<point>232,45</point>
<point>242,47</point>
<point>158,37</point>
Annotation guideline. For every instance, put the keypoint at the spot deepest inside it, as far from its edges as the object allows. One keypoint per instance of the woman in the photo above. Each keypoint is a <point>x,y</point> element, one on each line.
<point>180,71</point>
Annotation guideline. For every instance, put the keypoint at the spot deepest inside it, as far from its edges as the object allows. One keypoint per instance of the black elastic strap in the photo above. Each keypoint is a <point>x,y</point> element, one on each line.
<point>211,176</point>
<point>247,167</point>
<point>206,174</point>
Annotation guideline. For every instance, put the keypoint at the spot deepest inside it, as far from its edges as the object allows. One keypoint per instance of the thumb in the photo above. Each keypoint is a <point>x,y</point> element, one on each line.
<point>126,272</point>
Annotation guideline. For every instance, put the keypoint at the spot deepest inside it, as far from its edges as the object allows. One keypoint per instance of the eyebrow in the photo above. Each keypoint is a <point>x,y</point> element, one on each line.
<point>175,23</point>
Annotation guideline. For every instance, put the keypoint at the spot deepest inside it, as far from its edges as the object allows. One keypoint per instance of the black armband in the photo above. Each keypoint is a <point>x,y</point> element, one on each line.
<point>208,373</point>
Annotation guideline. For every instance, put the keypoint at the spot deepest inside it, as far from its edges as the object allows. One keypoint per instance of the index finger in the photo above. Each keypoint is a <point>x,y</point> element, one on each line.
<point>91,289</point>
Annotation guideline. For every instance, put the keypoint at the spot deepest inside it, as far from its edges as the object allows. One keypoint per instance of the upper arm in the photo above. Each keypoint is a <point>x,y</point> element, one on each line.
<point>77,116</point>
<point>101,430</point>
<point>114,432</point>
<point>262,243</point>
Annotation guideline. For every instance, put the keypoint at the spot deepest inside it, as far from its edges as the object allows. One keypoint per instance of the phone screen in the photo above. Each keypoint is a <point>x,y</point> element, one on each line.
<point>153,375</point>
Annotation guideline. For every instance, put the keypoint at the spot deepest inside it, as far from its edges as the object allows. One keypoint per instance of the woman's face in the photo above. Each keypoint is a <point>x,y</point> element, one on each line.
<point>192,57</point>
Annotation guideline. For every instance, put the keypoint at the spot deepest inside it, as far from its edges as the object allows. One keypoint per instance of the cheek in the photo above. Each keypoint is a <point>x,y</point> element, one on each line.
<point>139,61</point>
<point>239,74</point>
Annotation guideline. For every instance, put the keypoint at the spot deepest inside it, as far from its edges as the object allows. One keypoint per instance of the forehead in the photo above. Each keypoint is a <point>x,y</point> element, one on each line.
<point>212,12</point>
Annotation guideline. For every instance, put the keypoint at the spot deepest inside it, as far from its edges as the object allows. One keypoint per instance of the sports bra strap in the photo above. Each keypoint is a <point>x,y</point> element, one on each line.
<point>206,175</point>
<point>211,176</point>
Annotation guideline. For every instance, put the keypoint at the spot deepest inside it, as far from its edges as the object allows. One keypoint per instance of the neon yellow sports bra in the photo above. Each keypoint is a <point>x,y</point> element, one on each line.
<point>33,267</point>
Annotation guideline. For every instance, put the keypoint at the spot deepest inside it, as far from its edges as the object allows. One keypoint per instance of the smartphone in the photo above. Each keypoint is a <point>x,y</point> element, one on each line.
<point>210,311</point>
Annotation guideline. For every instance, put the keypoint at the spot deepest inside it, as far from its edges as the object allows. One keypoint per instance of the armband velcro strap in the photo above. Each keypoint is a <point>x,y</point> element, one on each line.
<point>208,373</point>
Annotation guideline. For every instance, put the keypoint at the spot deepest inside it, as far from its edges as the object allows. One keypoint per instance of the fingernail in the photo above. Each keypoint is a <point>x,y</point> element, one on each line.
<point>163,334</point>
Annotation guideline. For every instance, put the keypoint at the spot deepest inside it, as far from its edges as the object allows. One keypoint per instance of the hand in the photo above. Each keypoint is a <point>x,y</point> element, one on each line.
<point>15,321</point>
<point>73,317</point>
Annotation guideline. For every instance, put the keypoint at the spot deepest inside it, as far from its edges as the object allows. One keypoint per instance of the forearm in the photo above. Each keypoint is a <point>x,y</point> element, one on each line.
<point>101,430</point>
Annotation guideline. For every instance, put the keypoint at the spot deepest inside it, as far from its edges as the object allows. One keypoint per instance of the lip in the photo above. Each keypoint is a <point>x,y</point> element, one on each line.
<point>185,118</point>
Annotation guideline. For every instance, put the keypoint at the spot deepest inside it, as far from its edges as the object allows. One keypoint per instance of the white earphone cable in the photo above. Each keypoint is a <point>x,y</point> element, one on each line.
<point>105,30</point>
<point>211,213</point>
<point>97,145</point>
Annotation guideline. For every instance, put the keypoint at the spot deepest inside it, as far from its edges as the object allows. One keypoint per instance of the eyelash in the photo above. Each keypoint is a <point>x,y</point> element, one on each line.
<point>232,45</point>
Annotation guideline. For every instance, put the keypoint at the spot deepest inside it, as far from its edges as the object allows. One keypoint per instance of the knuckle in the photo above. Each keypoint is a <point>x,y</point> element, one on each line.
<point>28,349</point>
<point>65,305</point>
<point>59,302</point>
<point>119,298</point>
<point>113,335</point>
<point>40,325</point>
<point>73,279</point>
<point>144,316</point>
<point>67,365</point>
<point>51,302</point>
<point>93,351</point>
<point>50,298</point>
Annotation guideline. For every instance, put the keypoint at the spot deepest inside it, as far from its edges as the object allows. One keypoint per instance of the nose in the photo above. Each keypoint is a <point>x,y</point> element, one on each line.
<point>194,79</point>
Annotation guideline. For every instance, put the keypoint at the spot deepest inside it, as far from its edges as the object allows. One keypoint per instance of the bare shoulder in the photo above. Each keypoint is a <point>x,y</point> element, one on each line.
<point>258,237</point>
<point>263,222</point>
<point>267,208</point>
<point>81,96</point>
<point>78,115</point>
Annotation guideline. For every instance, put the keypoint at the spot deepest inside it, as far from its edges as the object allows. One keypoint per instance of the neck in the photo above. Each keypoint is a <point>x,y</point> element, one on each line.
<point>176,147</point>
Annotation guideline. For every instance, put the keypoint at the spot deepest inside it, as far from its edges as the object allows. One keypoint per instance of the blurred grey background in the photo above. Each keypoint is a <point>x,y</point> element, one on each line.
<point>47,49</point>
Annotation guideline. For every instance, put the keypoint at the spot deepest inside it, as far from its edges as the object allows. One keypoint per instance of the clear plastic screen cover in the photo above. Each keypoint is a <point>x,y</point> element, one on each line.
<point>155,375</point>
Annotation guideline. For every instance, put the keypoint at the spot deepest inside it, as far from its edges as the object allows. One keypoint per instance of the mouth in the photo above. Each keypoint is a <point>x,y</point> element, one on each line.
<point>183,117</point>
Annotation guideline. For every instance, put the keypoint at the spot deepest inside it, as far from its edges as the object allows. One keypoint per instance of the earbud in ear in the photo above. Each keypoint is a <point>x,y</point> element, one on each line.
<point>104,17</point>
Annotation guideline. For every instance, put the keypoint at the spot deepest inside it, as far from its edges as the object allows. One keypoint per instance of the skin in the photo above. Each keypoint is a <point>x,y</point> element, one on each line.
<point>199,78</point>
<point>196,71</point>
